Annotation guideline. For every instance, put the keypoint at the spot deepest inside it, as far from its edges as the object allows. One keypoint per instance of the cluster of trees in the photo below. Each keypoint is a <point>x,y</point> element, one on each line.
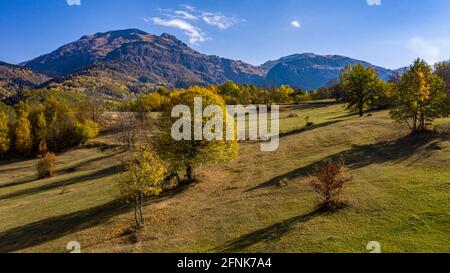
<point>416,97</point>
<point>233,94</point>
<point>248,94</point>
<point>159,156</point>
<point>34,127</point>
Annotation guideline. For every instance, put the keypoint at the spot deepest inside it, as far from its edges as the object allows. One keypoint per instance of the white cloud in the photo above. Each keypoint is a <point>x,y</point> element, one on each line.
<point>431,50</point>
<point>218,20</point>
<point>296,24</point>
<point>194,33</point>
<point>189,19</point>
<point>188,7</point>
<point>73,2</point>
<point>374,2</point>
<point>184,15</point>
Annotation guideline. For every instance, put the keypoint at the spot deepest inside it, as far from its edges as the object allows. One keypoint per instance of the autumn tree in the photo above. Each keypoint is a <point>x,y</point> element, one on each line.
<point>283,94</point>
<point>41,133</point>
<point>442,69</point>
<point>420,96</point>
<point>329,179</point>
<point>142,179</point>
<point>93,106</point>
<point>4,133</point>
<point>189,153</point>
<point>361,86</point>
<point>24,141</point>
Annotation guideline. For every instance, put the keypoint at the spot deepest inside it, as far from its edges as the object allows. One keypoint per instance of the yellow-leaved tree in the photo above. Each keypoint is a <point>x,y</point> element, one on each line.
<point>420,97</point>
<point>41,133</point>
<point>189,153</point>
<point>4,133</point>
<point>24,141</point>
<point>142,178</point>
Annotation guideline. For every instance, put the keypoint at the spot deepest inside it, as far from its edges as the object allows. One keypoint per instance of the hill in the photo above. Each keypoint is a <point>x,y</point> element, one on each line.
<point>15,79</point>
<point>311,71</point>
<point>261,202</point>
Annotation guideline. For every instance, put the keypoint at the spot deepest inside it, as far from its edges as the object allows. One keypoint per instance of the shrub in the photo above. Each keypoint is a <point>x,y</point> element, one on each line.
<point>46,166</point>
<point>329,179</point>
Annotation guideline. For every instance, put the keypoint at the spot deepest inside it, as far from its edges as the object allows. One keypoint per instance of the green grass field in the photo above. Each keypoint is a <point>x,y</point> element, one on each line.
<point>400,195</point>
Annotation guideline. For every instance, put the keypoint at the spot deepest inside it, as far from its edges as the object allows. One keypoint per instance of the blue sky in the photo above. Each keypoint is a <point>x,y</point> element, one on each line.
<point>389,33</point>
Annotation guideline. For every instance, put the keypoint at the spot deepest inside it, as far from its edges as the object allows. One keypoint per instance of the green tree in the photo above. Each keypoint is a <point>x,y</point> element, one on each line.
<point>189,154</point>
<point>4,133</point>
<point>361,86</point>
<point>142,179</point>
<point>420,96</point>
<point>24,141</point>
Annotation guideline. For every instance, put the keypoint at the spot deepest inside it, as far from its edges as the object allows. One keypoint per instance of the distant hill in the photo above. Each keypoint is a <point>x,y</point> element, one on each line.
<point>14,79</point>
<point>311,71</point>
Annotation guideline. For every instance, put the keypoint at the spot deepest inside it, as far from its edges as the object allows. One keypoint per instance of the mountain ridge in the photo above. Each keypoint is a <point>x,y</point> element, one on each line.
<point>135,61</point>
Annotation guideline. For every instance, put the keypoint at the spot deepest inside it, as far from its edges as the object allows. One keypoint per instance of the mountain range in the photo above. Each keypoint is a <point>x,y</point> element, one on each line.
<point>133,61</point>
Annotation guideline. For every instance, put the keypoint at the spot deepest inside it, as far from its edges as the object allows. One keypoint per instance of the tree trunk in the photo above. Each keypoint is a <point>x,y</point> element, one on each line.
<point>190,173</point>
<point>141,214</point>
<point>422,122</point>
<point>136,204</point>
<point>361,106</point>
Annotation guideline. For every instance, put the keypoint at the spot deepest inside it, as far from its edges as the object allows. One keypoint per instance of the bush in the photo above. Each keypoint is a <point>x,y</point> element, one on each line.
<point>329,179</point>
<point>46,166</point>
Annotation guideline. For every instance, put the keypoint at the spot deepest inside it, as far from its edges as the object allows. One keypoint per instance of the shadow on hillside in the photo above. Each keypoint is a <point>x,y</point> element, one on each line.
<point>309,128</point>
<point>69,169</point>
<point>76,167</point>
<point>19,182</point>
<point>362,156</point>
<point>80,179</point>
<point>311,105</point>
<point>270,233</point>
<point>56,227</point>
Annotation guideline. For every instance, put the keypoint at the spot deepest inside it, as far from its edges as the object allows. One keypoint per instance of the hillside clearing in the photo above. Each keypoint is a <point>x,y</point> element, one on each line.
<point>399,197</point>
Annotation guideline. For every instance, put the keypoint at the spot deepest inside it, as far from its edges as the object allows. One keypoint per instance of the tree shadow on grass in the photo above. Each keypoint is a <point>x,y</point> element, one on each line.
<point>311,105</point>
<point>308,128</point>
<point>69,169</point>
<point>56,227</point>
<point>80,179</point>
<point>364,155</point>
<point>270,233</point>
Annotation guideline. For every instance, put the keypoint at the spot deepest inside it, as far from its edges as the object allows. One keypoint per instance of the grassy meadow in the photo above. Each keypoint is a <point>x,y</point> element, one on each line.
<point>261,202</point>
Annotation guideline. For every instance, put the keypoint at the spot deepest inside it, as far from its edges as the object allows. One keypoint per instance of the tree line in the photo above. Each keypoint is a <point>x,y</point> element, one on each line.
<point>416,97</point>
<point>49,124</point>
